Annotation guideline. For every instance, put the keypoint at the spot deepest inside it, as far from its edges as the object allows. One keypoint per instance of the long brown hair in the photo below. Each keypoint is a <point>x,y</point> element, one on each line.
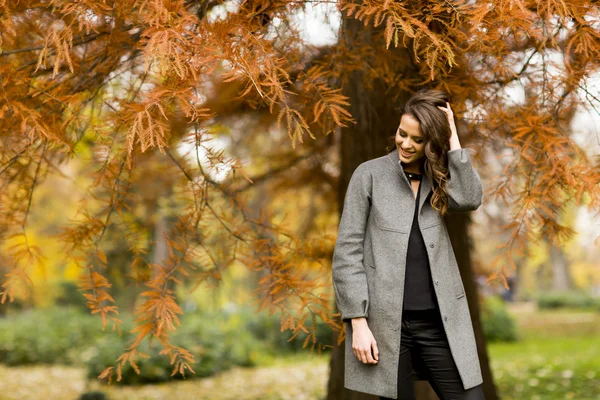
<point>434,126</point>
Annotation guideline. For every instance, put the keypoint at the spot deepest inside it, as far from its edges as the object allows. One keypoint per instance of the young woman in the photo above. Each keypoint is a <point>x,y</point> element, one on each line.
<point>395,275</point>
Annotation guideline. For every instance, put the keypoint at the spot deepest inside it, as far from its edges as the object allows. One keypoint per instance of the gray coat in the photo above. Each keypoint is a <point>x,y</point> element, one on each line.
<point>369,264</point>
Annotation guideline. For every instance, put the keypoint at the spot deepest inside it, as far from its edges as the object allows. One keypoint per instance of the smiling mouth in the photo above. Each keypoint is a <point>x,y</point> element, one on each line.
<point>406,152</point>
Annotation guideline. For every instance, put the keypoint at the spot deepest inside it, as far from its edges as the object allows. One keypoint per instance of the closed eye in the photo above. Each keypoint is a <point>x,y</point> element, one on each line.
<point>416,140</point>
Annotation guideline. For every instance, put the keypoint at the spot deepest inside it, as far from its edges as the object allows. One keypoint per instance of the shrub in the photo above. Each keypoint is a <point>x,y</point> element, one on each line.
<point>570,299</point>
<point>218,340</point>
<point>268,328</point>
<point>53,335</point>
<point>498,325</point>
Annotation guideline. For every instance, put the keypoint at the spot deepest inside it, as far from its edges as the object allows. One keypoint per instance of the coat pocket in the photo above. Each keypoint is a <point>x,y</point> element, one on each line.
<point>431,219</point>
<point>387,226</point>
<point>459,290</point>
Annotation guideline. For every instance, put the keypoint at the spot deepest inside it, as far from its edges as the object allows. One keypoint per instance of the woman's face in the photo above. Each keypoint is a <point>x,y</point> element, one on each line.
<point>410,143</point>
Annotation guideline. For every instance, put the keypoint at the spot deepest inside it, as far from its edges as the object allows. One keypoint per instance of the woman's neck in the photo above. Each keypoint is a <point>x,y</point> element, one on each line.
<point>414,167</point>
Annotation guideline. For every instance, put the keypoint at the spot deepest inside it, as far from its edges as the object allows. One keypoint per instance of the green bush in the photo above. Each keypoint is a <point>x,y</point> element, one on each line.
<point>218,341</point>
<point>53,335</point>
<point>567,299</point>
<point>268,329</point>
<point>498,325</point>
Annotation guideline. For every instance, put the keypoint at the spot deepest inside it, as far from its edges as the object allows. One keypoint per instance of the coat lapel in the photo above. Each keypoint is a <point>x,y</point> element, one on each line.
<point>425,190</point>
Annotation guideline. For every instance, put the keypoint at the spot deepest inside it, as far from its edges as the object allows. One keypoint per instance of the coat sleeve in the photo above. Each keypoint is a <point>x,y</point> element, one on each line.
<point>464,188</point>
<point>348,271</point>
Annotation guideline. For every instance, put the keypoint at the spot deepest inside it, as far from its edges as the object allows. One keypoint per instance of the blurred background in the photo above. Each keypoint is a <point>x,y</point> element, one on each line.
<point>203,239</point>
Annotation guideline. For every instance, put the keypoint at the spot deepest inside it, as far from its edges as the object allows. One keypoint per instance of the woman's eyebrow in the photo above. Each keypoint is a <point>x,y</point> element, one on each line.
<point>416,137</point>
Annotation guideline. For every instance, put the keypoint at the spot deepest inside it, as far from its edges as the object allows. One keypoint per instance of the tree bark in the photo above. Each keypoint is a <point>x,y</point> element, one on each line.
<point>561,277</point>
<point>458,229</point>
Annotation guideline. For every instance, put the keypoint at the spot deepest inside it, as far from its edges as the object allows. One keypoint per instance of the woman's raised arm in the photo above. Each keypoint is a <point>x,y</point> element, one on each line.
<point>464,189</point>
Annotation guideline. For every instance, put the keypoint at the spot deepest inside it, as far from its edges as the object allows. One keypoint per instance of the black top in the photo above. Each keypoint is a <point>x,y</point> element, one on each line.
<point>419,293</point>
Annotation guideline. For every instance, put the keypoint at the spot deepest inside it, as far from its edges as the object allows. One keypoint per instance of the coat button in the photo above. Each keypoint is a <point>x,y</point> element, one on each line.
<point>432,245</point>
<point>421,212</point>
<point>436,282</point>
<point>445,318</point>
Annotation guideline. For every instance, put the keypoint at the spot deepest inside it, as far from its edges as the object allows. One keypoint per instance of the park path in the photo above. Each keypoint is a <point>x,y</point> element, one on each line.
<point>304,379</point>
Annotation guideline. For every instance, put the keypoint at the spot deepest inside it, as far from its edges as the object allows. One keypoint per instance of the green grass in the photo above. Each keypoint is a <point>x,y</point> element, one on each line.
<point>557,358</point>
<point>559,368</point>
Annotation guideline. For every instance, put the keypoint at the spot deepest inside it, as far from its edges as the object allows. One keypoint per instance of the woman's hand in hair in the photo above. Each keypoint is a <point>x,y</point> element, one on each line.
<point>454,143</point>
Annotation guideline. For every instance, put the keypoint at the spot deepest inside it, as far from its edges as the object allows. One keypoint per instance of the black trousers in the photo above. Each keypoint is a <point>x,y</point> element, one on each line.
<point>424,345</point>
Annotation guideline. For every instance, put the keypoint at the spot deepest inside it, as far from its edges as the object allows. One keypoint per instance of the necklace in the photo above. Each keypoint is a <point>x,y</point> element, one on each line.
<point>413,176</point>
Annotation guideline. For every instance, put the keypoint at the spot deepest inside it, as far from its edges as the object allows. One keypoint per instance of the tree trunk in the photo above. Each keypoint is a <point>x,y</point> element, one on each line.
<point>561,278</point>
<point>458,229</point>
<point>164,221</point>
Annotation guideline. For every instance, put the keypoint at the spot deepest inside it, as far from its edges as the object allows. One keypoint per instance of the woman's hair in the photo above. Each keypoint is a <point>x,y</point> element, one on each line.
<point>434,126</point>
